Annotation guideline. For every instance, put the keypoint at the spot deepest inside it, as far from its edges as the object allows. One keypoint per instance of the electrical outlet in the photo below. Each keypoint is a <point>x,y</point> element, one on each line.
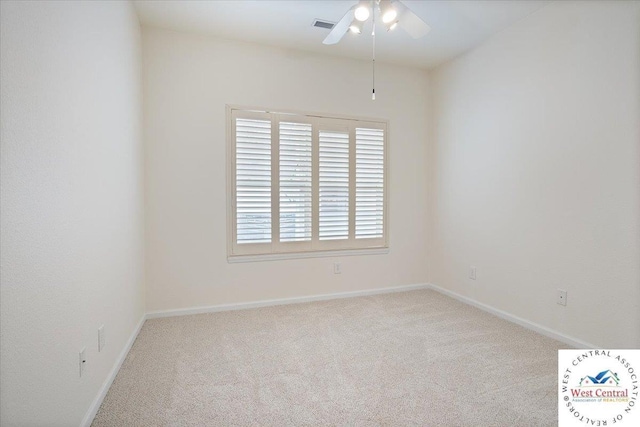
<point>562,297</point>
<point>83,361</point>
<point>100,338</point>
<point>472,273</point>
<point>337,268</point>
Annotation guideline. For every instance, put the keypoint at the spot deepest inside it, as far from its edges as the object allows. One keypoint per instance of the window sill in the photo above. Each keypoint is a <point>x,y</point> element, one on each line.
<point>233,259</point>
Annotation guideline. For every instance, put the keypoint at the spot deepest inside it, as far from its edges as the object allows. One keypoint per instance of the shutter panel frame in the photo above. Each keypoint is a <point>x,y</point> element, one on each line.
<point>290,161</point>
<point>370,176</point>
<point>337,158</point>
<point>249,153</point>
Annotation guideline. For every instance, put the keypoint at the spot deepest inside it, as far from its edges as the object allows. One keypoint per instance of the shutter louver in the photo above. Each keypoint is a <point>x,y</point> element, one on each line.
<point>295,182</point>
<point>369,183</point>
<point>253,181</point>
<point>333,185</point>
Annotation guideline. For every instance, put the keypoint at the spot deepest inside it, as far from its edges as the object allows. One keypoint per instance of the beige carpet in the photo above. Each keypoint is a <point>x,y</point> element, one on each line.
<point>412,358</point>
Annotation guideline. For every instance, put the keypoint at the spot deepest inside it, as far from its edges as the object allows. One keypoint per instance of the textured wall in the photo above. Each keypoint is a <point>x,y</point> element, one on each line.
<point>535,171</point>
<point>71,203</point>
<point>187,82</point>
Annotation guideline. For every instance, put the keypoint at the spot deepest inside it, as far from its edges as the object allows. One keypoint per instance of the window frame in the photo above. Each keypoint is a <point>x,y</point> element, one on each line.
<point>315,247</point>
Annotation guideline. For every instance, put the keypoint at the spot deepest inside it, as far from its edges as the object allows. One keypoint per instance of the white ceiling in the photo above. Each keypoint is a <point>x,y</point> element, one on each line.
<point>456,26</point>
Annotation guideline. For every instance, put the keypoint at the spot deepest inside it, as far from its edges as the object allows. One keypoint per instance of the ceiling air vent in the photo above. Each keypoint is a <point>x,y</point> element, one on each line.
<point>323,24</point>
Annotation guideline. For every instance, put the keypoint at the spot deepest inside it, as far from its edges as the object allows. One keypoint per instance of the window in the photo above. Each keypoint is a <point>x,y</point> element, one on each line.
<point>304,184</point>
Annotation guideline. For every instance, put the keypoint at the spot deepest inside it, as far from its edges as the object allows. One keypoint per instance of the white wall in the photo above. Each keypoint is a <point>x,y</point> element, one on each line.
<point>71,203</point>
<point>188,80</point>
<point>535,171</point>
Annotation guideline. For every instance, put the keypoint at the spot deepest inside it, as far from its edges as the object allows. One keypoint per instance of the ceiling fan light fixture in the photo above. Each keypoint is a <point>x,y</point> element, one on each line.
<point>356,27</point>
<point>362,11</point>
<point>392,25</point>
<point>389,16</point>
<point>389,13</point>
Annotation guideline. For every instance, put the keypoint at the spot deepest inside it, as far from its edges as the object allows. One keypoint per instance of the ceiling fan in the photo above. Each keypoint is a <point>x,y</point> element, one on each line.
<point>393,13</point>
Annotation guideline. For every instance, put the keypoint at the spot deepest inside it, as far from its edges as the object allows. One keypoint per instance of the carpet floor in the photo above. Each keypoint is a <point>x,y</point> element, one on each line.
<point>415,358</point>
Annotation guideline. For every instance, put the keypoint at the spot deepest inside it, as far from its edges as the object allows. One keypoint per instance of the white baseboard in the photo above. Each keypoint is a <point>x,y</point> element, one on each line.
<point>95,405</point>
<point>543,330</point>
<point>282,301</point>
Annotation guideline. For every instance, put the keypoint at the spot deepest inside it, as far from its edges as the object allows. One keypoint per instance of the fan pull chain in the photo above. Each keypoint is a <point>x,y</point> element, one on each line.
<point>373,63</point>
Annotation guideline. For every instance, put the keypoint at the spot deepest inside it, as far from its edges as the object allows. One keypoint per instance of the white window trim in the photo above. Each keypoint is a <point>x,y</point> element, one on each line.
<point>281,250</point>
<point>233,259</point>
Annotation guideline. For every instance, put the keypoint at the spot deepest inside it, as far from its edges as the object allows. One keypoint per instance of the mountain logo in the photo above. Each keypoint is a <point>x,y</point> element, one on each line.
<point>606,378</point>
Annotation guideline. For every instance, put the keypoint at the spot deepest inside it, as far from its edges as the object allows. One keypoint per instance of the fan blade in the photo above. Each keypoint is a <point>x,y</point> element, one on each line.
<point>410,22</point>
<point>340,29</point>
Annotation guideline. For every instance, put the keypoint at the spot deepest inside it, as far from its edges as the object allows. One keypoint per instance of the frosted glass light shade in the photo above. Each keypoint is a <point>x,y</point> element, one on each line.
<point>362,13</point>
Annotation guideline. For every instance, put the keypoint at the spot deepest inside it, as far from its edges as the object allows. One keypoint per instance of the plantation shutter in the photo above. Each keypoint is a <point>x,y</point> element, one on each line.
<point>253,181</point>
<point>369,217</point>
<point>295,181</point>
<point>333,165</point>
<point>302,184</point>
